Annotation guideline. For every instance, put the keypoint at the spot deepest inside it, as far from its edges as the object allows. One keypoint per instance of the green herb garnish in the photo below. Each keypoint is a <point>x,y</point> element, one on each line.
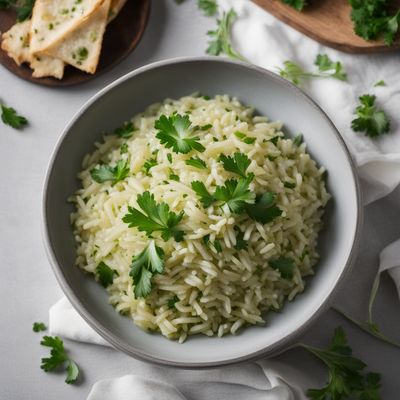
<point>372,20</point>
<point>125,131</point>
<point>264,209</point>
<point>115,174</point>
<point>39,327</point>
<point>10,117</point>
<point>175,132</point>
<point>237,164</point>
<point>220,42</point>
<point>58,357</point>
<point>171,302</point>
<point>244,138</point>
<point>105,274</point>
<point>284,265</point>
<point>370,120</point>
<point>209,7</point>
<point>326,69</point>
<point>146,264</point>
<point>196,163</point>
<point>346,379</point>
<point>155,218</point>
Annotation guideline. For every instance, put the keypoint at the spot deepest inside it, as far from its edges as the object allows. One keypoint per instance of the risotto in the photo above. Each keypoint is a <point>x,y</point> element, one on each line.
<point>199,216</point>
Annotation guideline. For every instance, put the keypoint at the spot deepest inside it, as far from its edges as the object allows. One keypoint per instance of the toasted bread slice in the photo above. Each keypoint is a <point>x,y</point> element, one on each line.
<point>81,48</point>
<point>43,66</point>
<point>52,20</point>
<point>15,42</point>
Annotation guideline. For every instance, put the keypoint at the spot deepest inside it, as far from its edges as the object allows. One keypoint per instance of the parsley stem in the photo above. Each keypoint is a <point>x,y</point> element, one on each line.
<point>369,327</point>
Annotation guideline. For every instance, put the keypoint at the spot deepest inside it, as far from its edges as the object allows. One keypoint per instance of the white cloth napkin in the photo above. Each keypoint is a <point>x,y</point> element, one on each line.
<point>267,42</point>
<point>267,380</point>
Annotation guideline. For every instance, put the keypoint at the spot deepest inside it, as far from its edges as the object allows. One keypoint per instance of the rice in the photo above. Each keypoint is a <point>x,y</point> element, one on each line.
<point>203,289</point>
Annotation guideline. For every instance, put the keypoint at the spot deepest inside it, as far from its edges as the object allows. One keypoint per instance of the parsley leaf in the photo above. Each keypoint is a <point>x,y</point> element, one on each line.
<point>105,274</point>
<point>380,83</point>
<point>345,373</point>
<point>372,121</point>
<point>156,217</point>
<point>237,164</point>
<point>220,42</point>
<point>175,131</point>
<point>209,7</point>
<point>196,163</point>
<point>325,64</point>
<point>205,197</point>
<point>125,131</point>
<point>264,209</point>
<point>326,69</point>
<point>244,138</point>
<point>38,327</point>
<point>146,264</point>
<point>150,163</point>
<point>298,140</point>
<point>241,244</point>
<point>236,194</point>
<point>124,148</point>
<point>58,357</point>
<point>172,301</point>
<point>115,174</point>
<point>372,20</point>
<point>10,117</point>
<point>23,8</point>
<point>284,265</point>
<point>297,4</point>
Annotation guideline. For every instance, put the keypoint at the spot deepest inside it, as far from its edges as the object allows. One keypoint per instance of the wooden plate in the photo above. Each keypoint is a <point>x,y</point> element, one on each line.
<point>327,22</point>
<point>121,37</point>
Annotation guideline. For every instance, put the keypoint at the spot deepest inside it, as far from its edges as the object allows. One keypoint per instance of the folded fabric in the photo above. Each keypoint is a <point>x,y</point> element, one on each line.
<point>267,42</point>
<point>267,380</point>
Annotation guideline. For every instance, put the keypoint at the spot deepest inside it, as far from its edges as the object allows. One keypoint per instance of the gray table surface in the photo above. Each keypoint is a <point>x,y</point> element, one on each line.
<point>28,287</point>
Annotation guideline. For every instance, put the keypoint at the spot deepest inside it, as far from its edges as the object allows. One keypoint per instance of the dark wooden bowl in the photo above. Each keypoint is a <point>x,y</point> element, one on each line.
<point>121,37</point>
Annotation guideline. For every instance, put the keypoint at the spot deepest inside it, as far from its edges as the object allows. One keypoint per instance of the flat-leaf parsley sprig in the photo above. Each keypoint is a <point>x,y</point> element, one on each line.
<point>146,264</point>
<point>156,217</point>
<point>235,194</point>
<point>370,120</point>
<point>10,117</point>
<point>176,132</point>
<point>220,42</point>
<point>115,174</point>
<point>209,7</point>
<point>326,68</point>
<point>346,377</point>
<point>58,358</point>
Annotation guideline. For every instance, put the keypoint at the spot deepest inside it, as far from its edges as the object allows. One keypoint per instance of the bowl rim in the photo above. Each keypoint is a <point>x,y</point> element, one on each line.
<point>97,326</point>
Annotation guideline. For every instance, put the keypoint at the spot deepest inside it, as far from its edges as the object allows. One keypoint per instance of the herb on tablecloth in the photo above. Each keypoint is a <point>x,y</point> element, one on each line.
<point>346,376</point>
<point>58,358</point>
<point>220,42</point>
<point>326,68</point>
<point>10,117</point>
<point>372,121</point>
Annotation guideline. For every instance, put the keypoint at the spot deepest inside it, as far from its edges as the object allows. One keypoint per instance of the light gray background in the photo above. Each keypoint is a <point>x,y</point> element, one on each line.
<point>28,287</point>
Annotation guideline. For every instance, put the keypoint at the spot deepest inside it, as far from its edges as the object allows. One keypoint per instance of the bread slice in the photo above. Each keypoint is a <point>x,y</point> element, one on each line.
<point>15,42</point>
<point>52,20</point>
<point>47,66</point>
<point>115,8</point>
<point>81,47</point>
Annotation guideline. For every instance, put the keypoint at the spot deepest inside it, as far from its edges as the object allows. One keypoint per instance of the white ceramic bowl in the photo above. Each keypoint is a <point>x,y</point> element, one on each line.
<point>273,97</point>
